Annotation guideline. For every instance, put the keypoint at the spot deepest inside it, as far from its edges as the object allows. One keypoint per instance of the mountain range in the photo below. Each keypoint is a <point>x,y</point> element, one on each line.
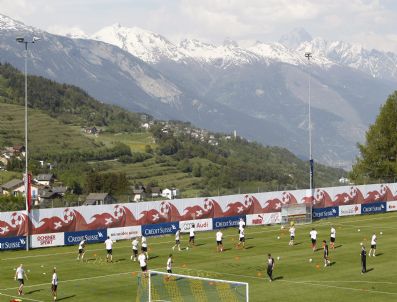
<point>261,91</point>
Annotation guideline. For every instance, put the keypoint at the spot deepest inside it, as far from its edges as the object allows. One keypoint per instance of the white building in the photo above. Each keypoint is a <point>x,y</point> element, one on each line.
<point>170,193</point>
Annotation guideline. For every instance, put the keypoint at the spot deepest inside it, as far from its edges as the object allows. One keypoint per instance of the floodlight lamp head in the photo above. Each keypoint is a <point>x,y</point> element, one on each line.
<point>35,39</point>
<point>20,40</point>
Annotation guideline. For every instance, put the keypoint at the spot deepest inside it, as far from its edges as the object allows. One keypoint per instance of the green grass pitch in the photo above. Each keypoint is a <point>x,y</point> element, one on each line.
<point>297,278</point>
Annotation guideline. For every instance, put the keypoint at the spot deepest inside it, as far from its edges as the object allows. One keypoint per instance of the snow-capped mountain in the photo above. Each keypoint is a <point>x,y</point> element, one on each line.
<point>261,90</point>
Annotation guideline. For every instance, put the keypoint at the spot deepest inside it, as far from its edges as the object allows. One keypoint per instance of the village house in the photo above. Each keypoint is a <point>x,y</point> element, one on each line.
<point>16,187</point>
<point>170,193</point>
<point>45,179</point>
<point>99,199</point>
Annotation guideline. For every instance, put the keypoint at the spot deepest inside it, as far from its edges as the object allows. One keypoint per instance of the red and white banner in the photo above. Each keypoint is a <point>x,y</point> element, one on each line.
<point>45,240</point>
<point>354,209</point>
<point>132,214</point>
<point>391,206</point>
<point>264,218</point>
<point>199,225</point>
<point>124,232</point>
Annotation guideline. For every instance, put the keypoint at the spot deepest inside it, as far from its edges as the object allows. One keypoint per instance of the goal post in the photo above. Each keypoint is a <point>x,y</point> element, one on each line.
<point>160,286</point>
<point>300,213</point>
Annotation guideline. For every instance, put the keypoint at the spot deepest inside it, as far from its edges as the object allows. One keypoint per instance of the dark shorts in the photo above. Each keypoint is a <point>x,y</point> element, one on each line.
<point>21,281</point>
<point>169,271</point>
<point>373,246</point>
<point>332,239</point>
<point>177,241</point>
<point>109,252</point>
<point>242,239</point>
<point>54,287</point>
<point>144,249</point>
<point>292,237</point>
<point>135,252</point>
<point>81,251</point>
<point>144,268</point>
<point>314,241</point>
<point>219,242</point>
<point>191,238</point>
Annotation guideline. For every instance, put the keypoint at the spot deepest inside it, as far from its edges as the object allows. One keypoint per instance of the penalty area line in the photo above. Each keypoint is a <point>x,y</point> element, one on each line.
<point>19,297</point>
<point>304,282</point>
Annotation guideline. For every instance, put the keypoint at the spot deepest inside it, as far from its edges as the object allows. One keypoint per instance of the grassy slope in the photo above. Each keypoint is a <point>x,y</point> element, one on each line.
<point>45,134</point>
<point>298,280</point>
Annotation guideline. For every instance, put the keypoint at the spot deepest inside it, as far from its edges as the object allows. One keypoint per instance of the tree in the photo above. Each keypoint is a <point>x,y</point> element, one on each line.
<point>378,154</point>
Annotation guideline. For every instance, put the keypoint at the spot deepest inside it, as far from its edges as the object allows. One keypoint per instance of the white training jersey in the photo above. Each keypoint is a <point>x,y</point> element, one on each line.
<point>135,244</point>
<point>142,260</point>
<point>81,245</point>
<point>169,263</point>
<point>241,224</point>
<point>333,233</point>
<point>292,231</point>
<point>313,234</point>
<point>242,233</point>
<point>144,242</point>
<point>54,279</point>
<point>109,244</point>
<point>191,232</point>
<point>373,239</point>
<point>20,272</point>
<point>177,235</point>
<point>219,236</point>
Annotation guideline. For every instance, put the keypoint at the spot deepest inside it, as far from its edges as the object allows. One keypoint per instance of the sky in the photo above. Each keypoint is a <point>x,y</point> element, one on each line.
<point>371,23</point>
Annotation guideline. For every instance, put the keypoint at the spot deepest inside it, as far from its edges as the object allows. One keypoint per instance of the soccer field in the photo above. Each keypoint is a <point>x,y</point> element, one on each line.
<point>297,279</point>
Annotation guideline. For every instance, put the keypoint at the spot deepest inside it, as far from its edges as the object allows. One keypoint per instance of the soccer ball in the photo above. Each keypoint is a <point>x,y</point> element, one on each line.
<point>361,243</point>
<point>358,230</point>
<point>16,219</point>
<point>278,237</point>
<point>278,257</point>
<point>381,233</point>
<point>187,248</point>
<point>310,260</point>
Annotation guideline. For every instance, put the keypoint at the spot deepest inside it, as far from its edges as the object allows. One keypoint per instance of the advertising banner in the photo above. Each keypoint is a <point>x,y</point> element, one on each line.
<point>44,240</point>
<point>160,229</point>
<point>372,208</point>
<point>13,243</point>
<point>199,225</point>
<point>226,222</point>
<point>391,206</point>
<point>329,212</point>
<point>348,210</point>
<point>124,233</point>
<point>90,236</point>
<point>264,219</point>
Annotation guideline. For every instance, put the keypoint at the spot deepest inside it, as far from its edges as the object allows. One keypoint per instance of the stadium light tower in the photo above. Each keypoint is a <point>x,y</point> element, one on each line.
<point>26,42</point>
<point>308,55</point>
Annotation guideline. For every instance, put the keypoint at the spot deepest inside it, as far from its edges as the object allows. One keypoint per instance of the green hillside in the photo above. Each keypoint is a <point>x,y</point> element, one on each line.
<point>124,154</point>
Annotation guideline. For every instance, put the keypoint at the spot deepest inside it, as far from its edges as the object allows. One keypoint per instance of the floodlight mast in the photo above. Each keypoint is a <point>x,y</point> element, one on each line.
<point>308,55</point>
<point>26,180</point>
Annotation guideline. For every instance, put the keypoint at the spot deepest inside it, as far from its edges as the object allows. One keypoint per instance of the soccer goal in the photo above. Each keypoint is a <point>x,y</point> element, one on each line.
<point>296,213</point>
<point>159,286</point>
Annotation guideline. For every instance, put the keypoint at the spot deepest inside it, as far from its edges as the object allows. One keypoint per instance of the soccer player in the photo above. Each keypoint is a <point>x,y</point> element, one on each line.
<point>313,237</point>
<point>144,246</point>
<point>373,246</point>
<point>191,235</point>
<point>241,225</point>
<point>177,240</point>
<point>109,249</point>
<point>363,260</point>
<point>169,266</point>
<point>135,244</point>
<point>54,284</point>
<point>292,235</point>
<point>143,262</point>
<point>326,253</point>
<point>219,244</point>
<point>270,266</point>
<point>80,255</point>
<point>333,237</point>
<point>242,238</point>
<point>19,274</point>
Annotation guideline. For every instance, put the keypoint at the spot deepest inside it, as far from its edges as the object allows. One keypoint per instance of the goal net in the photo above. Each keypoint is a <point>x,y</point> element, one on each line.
<point>296,213</point>
<point>159,286</point>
